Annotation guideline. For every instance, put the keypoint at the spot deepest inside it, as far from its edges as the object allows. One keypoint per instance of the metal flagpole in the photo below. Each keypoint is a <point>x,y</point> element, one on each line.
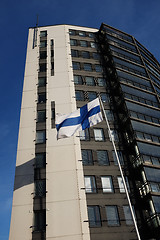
<point>123,179</point>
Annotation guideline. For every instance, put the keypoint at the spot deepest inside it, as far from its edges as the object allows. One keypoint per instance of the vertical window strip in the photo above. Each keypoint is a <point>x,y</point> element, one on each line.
<point>52,57</point>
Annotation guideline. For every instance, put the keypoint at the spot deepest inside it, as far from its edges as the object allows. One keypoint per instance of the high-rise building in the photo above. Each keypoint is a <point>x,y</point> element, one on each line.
<point>72,189</point>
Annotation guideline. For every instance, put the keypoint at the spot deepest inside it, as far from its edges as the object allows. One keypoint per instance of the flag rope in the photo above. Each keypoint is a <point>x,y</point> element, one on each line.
<point>120,168</point>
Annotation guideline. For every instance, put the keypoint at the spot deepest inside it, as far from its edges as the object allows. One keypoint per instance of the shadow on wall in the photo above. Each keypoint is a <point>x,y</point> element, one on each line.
<point>24,174</point>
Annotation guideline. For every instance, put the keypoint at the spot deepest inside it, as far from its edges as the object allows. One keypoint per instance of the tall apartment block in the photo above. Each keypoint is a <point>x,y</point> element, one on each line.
<point>72,189</point>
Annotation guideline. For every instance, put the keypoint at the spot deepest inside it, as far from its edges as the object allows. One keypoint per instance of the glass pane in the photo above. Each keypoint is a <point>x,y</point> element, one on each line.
<point>83,43</point>
<point>127,214</point>
<point>98,134</point>
<point>96,56</point>
<point>93,45</point>
<point>120,156</point>
<point>40,188</point>
<point>92,96</point>
<point>78,80</point>
<point>112,216</point>
<point>41,97</point>
<point>101,82</point>
<point>74,53</point>
<point>84,135</point>
<point>91,35</point>
<point>41,82</point>
<point>98,68</point>
<point>43,44</point>
<point>94,216</point>
<point>104,97</point>
<point>43,33</point>
<point>72,32</point>
<point>109,115</point>
<point>41,116</point>
<point>85,54</point>
<point>40,160</point>
<point>73,42</point>
<point>90,81</point>
<point>87,67</point>
<point>79,96</point>
<point>90,184</point>
<point>87,157</point>
<point>40,137</point>
<point>114,135</point>
<point>107,185</point>
<point>76,65</point>
<point>82,34</point>
<point>102,157</point>
<point>121,185</point>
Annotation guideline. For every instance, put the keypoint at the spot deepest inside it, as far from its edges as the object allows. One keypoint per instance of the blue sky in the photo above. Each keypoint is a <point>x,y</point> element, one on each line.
<point>140,18</point>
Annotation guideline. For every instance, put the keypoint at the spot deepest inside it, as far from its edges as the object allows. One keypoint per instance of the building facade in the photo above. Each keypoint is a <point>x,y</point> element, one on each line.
<point>72,188</point>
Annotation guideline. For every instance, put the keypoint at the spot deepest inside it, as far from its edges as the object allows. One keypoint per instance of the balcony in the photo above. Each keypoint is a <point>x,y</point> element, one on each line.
<point>149,188</point>
<point>153,221</point>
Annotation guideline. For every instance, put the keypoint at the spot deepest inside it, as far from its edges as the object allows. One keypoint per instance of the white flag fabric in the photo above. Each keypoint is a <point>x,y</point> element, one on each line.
<point>85,117</point>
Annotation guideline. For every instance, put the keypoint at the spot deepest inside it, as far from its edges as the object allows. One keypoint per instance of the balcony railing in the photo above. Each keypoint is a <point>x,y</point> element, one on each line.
<point>153,221</point>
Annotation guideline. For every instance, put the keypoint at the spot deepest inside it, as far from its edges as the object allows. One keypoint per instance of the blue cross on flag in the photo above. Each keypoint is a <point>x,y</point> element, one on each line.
<point>85,117</point>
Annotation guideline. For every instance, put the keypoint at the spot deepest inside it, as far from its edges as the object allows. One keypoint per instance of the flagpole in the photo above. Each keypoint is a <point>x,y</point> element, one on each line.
<point>120,168</point>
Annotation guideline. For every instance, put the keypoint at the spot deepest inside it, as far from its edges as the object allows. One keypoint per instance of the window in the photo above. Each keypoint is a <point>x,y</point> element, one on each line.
<point>112,216</point>
<point>94,216</point>
<point>105,97</point>
<point>83,43</point>
<point>42,67</point>
<point>91,35</point>
<point>92,96</point>
<point>72,32</point>
<point>79,96</point>
<point>41,116</point>
<point>87,67</point>
<point>127,214</point>
<point>40,160</point>
<point>41,82</point>
<point>93,45</point>
<point>121,185</point>
<point>43,33</point>
<point>52,42</point>
<point>109,115</point>
<point>90,81</point>
<point>40,220</point>
<point>114,135</point>
<point>96,56</point>
<point>98,68</point>
<point>40,136</point>
<point>52,53</point>
<point>101,82</point>
<point>40,188</point>
<point>107,184</point>
<point>78,80</point>
<point>53,113</point>
<point>76,65</point>
<point>98,134</point>
<point>43,55</point>
<point>87,157</point>
<point>74,53</point>
<point>120,156</point>
<point>90,184</point>
<point>43,44</point>
<point>82,34</point>
<point>84,135</point>
<point>85,54</point>
<point>41,97</point>
<point>102,157</point>
<point>73,42</point>
<point>155,187</point>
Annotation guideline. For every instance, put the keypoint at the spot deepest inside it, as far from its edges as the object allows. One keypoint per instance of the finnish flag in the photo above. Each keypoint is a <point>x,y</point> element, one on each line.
<point>84,117</point>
